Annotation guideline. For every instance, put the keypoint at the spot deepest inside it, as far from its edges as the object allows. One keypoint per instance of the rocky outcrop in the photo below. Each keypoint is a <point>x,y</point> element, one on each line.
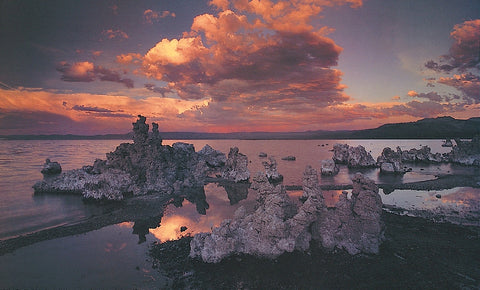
<point>329,167</point>
<point>466,152</point>
<point>271,170</point>
<point>277,225</point>
<point>354,157</point>
<point>51,168</point>
<point>236,166</point>
<point>354,224</point>
<point>423,155</point>
<point>213,158</point>
<point>390,162</point>
<point>144,167</point>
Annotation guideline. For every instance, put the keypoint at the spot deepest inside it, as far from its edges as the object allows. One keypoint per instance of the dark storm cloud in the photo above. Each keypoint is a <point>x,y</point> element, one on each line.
<point>88,72</point>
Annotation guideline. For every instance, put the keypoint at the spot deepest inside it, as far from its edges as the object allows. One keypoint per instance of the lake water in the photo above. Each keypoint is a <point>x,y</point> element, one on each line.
<point>114,257</point>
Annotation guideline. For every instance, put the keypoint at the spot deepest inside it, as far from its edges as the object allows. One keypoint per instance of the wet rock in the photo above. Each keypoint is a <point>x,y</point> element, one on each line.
<point>51,168</point>
<point>236,166</point>
<point>466,152</point>
<point>390,162</point>
<point>262,154</point>
<point>354,157</point>
<point>328,167</point>
<point>289,158</point>
<point>271,170</point>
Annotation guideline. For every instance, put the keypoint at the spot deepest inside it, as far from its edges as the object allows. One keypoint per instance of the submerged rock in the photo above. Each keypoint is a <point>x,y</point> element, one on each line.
<point>277,225</point>
<point>144,167</point>
<point>354,157</point>
<point>236,166</point>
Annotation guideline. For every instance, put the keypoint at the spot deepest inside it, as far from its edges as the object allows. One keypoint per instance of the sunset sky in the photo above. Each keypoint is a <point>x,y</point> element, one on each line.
<point>90,67</point>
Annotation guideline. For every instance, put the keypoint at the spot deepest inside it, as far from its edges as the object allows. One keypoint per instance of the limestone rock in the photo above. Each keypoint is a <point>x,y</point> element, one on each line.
<point>271,170</point>
<point>354,224</point>
<point>466,152</point>
<point>423,155</point>
<point>236,166</point>
<point>277,225</point>
<point>144,167</point>
<point>328,167</point>
<point>212,157</point>
<point>354,157</point>
<point>390,162</point>
<point>51,168</point>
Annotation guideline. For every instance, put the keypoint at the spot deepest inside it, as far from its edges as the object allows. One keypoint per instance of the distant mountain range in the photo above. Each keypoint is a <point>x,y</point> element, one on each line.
<point>431,128</point>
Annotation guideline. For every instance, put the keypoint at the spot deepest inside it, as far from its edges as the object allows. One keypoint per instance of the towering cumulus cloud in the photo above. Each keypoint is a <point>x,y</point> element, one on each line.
<point>253,60</point>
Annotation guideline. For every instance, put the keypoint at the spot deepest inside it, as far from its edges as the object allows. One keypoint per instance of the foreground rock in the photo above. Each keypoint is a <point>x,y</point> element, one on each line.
<point>144,167</point>
<point>278,226</point>
<point>354,157</point>
<point>51,168</point>
<point>271,170</point>
<point>354,224</point>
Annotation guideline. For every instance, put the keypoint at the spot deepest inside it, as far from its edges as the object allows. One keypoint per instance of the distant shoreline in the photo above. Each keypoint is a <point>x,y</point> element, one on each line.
<point>437,128</point>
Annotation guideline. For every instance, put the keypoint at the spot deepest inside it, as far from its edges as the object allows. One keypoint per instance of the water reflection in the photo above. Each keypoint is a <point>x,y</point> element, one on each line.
<point>235,191</point>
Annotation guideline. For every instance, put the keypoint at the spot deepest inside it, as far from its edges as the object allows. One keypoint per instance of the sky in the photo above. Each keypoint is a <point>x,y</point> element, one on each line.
<point>90,67</point>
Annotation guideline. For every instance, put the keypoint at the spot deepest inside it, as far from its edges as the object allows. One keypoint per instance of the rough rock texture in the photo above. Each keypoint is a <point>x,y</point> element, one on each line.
<point>277,225</point>
<point>390,161</point>
<point>271,170</point>
<point>274,228</point>
<point>213,158</point>
<point>236,166</point>
<point>51,168</point>
<point>423,155</point>
<point>354,224</point>
<point>466,152</point>
<point>328,167</point>
<point>354,157</point>
<point>144,167</point>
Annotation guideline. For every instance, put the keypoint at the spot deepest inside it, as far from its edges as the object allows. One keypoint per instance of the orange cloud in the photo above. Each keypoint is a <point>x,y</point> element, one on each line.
<point>129,58</point>
<point>151,16</point>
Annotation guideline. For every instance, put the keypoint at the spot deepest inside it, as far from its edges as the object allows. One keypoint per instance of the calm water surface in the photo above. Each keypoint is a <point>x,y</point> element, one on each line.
<point>113,256</point>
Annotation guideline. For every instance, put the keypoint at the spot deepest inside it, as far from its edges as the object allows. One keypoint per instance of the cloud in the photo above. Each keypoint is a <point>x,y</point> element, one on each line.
<point>464,52</point>
<point>246,59</point>
<point>468,84</point>
<point>161,90</point>
<point>112,34</point>
<point>150,16</point>
<point>129,58</point>
<point>88,72</point>
<point>432,96</point>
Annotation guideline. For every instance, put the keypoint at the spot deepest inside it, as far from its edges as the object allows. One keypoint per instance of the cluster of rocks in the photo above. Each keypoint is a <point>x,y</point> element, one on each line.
<point>353,157</point>
<point>145,167</point>
<point>390,161</point>
<point>466,152</point>
<point>277,225</point>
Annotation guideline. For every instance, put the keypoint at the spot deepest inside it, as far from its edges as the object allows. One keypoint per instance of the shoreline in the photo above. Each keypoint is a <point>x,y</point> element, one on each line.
<point>152,207</point>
